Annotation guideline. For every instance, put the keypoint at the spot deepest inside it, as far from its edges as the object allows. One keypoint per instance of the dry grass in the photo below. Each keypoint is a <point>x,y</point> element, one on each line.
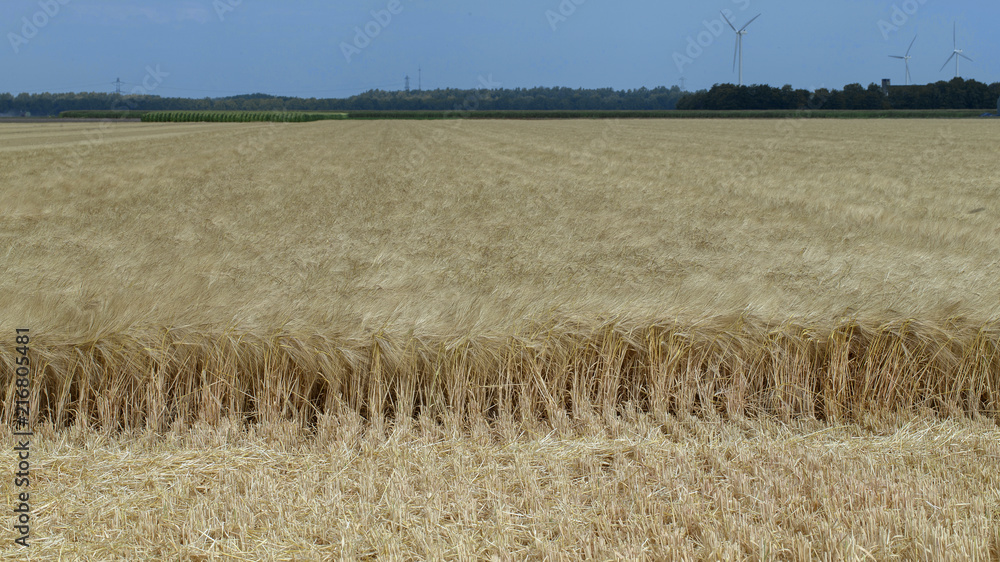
<point>646,487</point>
<point>399,313</point>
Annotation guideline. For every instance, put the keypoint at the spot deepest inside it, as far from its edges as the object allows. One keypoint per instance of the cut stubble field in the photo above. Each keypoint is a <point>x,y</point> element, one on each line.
<point>532,311</point>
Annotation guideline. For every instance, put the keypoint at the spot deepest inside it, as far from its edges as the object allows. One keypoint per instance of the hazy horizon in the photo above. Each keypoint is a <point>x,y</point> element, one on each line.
<point>216,48</point>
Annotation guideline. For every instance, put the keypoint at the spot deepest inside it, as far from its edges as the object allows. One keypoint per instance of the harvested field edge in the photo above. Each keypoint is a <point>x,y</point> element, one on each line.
<point>728,367</point>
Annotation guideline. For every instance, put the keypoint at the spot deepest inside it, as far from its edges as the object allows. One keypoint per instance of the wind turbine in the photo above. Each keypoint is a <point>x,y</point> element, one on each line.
<point>957,53</point>
<point>906,59</point>
<point>739,42</point>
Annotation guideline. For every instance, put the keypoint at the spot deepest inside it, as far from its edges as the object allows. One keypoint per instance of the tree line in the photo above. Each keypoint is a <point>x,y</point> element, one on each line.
<point>448,99</point>
<point>956,94</point>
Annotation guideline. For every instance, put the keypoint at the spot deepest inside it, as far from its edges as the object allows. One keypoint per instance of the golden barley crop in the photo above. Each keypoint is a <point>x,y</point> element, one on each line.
<point>275,271</point>
<point>428,282</point>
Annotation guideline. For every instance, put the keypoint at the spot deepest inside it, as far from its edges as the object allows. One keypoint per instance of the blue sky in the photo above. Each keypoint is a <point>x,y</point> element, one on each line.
<point>322,48</point>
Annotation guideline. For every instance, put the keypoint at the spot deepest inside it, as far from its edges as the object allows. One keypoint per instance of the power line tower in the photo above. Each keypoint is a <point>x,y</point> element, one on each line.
<point>407,83</point>
<point>118,86</point>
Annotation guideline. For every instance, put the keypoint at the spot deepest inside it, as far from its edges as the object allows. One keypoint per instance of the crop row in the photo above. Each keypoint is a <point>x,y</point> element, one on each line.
<point>791,371</point>
<point>236,116</point>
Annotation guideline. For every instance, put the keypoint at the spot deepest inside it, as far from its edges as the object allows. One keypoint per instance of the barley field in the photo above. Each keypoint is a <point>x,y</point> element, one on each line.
<point>499,339</point>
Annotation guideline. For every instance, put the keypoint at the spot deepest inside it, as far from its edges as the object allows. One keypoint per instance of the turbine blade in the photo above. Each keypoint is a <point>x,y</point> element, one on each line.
<point>727,21</point>
<point>954,35</point>
<point>965,57</point>
<point>947,61</point>
<point>896,57</point>
<point>736,52</point>
<point>911,45</point>
<point>749,22</point>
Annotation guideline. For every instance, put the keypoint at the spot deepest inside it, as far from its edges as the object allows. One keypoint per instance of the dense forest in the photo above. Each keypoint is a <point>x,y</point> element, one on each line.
<point>956,94</point>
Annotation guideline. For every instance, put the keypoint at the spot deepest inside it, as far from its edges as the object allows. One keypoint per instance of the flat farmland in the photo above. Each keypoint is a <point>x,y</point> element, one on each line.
<point>546,338</point>
<point>418,223</point>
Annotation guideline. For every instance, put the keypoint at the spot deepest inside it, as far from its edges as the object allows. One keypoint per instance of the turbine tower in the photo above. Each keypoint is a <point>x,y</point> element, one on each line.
<point>906,59</point>
<point>739,42</point>
<point>956,53</point>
